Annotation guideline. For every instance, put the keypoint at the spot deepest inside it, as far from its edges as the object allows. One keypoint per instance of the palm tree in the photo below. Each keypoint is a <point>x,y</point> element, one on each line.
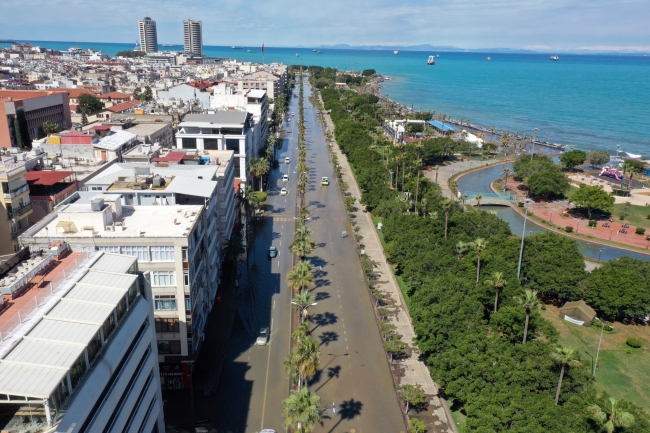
<point>446,206</point>
<point>247,199</point>
<point>303,301</point>
<point>308,357</point>
<point>461,249</point>
<point>617,417</point>
<point>498,282</point>
<point>301,276</point>
<point>478,198</point>
<point>254,168</point>
<point>263,167</point>
<point>529,301</point>
<point>506,172</point>
<point>479,245</point>
<point>566,358</point>
<point>418,163</point>
<point>303,212</point>
<point>302,410</point>
<point>302,332</point>
<point>302,232</point>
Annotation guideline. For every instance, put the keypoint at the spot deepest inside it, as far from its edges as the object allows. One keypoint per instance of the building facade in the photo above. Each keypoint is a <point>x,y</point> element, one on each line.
<point>86,359</point>
<point>148,35</point>
<point>193,36</point>
<point>15,205</point>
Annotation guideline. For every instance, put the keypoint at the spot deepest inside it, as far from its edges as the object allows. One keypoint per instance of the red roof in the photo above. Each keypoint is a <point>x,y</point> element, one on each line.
<point>201,85</point>
<point>47,178</point>
<point>124,106</point>
<point>171,157</point>
<point>101,128</point>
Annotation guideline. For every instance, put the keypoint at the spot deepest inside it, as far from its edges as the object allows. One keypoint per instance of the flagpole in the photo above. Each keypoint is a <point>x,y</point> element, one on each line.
<point>263,56</point>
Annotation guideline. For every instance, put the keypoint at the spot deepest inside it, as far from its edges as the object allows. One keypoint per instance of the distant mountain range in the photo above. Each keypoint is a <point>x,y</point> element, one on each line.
<point>424,47</point>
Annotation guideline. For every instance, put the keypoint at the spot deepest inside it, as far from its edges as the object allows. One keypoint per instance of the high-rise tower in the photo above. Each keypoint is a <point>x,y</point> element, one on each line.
<point>193,36</point>
<point>148,35</point>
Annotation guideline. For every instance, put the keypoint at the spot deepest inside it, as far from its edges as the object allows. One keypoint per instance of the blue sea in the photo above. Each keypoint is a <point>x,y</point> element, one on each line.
<point>589,101</point>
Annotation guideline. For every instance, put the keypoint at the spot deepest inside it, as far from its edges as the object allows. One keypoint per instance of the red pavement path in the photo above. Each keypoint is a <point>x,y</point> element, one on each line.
<point>552,212</point>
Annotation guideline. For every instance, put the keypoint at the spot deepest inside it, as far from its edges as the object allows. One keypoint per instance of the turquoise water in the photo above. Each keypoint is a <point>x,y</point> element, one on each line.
<point>584,100</point>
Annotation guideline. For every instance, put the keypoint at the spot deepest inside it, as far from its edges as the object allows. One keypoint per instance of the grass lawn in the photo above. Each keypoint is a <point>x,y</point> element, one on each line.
<point>460,420</point>
<point>620,374</point>
<point>636,215</point>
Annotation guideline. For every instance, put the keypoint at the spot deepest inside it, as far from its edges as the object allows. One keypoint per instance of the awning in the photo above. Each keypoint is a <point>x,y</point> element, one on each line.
<point>47,178</point>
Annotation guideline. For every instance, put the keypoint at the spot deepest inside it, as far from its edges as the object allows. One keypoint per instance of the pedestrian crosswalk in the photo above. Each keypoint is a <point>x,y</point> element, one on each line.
<point>282,218</point>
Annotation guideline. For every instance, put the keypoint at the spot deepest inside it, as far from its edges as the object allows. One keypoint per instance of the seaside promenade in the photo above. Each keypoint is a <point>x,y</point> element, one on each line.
<point>410,369</point>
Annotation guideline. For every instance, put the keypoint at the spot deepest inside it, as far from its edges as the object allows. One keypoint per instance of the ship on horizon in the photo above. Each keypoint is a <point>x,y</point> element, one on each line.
<point>395,52</point>
<point>431,60</point>
<point>554,58</point>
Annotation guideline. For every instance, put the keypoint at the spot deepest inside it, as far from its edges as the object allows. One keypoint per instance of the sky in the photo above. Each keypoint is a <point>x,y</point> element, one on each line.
<point>543,25</point>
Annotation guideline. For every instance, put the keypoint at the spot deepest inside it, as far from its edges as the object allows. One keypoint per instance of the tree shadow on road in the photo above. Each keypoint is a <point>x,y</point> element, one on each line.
<point>348,411</point>
<point>323,319</point>
<point>321,296</point>
<point>332,372</point>
<point>328,337</point>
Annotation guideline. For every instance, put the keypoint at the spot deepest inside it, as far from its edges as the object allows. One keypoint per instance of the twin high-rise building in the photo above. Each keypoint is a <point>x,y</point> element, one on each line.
<point>192,36</point>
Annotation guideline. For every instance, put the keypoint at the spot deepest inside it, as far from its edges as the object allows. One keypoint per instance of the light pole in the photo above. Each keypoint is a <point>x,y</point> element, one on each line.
<point>602,329</point>
<point>304,309</point>
<point>532,152</point>
<point>523,235</point>
<point>551,219</point>
<point>599,252</point>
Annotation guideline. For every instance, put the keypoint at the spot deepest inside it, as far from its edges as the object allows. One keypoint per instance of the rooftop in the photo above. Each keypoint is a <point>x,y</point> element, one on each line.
<point>219,118</point>
<point>124,106</point>
<point>34,364</point>
<point>115,139</point>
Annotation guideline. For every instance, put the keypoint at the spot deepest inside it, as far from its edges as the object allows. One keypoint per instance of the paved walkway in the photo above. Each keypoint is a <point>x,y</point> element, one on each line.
<point>411,369</point>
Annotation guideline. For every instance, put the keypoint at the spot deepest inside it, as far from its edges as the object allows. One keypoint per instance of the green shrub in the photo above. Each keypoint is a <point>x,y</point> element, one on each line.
<point>635,342</point>
<point>568,229</point>
<point>622,216</point>
<point>640,231</point>
<point>593,223</point>
<point>647,216</point>
<point>520,204</point>
<point>260,196</point>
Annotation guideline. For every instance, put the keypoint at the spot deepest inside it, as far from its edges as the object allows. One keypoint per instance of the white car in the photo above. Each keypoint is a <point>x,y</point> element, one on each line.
<point>283,191</point>
<point>285,178</point>
<point>292,113</point>
<point>287,160</point>
<point>263,337</point>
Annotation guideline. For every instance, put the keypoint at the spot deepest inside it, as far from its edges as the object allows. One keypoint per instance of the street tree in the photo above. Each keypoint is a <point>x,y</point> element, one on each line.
<point>479,246</point>
<point>612,417</point>
<point>301,276</point>
<point>498,282</point>
<point>573,158</point>
<point>446,207</point>
<point>528,302</point>
<point>394,345</point>
<point>548,184</point>
<point>592,197</point>
<point>566,357</point>
<point>302,410</point>
<point>89,103</point>
<point>598,157</point>
<point>48,128</point>
<point>303,301</point>
<point>301,247</point>
<point>413,395</point>
<point>633,166</point>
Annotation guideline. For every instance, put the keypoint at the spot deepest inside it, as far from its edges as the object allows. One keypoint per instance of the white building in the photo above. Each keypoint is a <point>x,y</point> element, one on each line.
<point>148,35</point>
<point>263,80</point>
<point>223,130</point>
<point>193,36</point>
<point>185,93</point>
<point>86,359</point>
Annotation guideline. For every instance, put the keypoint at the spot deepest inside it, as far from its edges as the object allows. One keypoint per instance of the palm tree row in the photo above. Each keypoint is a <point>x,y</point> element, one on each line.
<point>258,168</point>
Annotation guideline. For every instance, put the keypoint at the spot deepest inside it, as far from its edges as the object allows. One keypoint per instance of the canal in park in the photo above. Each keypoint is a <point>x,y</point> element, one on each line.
<point>479,181</point>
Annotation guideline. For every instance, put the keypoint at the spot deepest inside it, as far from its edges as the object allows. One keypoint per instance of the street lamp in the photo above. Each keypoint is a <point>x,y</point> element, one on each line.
<point>599,252</point>
<point>602,329</point>
<point>532,152</point>
<point>304,309</point>
<point>523,235</point>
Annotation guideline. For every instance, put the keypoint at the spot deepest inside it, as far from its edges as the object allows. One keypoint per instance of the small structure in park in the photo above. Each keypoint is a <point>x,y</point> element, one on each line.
<point>578,312</point>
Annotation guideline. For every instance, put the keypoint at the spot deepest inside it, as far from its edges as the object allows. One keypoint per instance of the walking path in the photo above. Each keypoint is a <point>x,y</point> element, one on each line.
<point>411,369</point>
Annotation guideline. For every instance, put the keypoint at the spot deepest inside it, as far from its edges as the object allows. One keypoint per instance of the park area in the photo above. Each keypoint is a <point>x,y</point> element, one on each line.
<point>622,370</point>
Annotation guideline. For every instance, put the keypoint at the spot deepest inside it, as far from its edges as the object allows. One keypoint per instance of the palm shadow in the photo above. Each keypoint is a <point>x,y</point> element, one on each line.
<point>323,319</point>
<point>328,337</point>
<point>321,296</point>
<point>347,411</point>
<point>332,372</point>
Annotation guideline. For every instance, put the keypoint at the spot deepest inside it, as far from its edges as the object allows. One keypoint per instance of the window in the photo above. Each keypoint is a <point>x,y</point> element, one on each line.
<point>169,346</point>
<point>140,252</point>
<point>162,254</point>
<point>115,250</point>
<point>167,325</point>
<point>164,302</point>
<point>232,144</point>
<point>163,278</point>
<point>188,143</point>
<point>186,278</point>
<point>188,305</point>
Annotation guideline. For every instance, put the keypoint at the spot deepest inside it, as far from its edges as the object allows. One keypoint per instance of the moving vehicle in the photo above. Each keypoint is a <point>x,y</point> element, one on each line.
<point>287,160</point>
<point>325,181</point>
<point>263,337</point>
<point>431,60</point>
<point>285,178</point>
<point>273,252</point>
<point>554,58</point>
<point>283,191</point>
<point>395,52</point>
<point>293,114</point>
<point>344,234</point>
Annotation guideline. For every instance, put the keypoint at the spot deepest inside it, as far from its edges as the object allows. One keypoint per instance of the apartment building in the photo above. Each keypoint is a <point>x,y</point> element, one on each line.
<point>223,130</point>
<point>85,361</point>
<point>193,37</point>
<point>148,35</point>
<point>23,111</point>
<point>273,84</point>
<point>15,205</point>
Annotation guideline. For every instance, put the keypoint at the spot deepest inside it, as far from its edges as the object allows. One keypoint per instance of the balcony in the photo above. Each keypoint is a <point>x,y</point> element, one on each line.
<point>16,192</point>
<point>18,212</point>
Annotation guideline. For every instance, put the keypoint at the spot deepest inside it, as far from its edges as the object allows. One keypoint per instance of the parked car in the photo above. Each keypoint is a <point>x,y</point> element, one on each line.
<point>273,252</point>
<point>287,160</point>
<point>263,337</point>
<point>283,191</point>
<point>325,181</point>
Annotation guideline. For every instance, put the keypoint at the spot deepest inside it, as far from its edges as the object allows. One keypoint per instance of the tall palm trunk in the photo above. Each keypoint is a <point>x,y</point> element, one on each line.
<point>559,385</point>
<point>417,189</point>
<point>446,222</point>
<point>478,268</point>
<point>526,324</point>
<point>403,172</point>
<point>496,303</point>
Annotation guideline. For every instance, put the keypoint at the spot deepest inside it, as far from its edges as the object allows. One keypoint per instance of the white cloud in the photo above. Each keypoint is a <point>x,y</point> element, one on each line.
<point>561,24</point>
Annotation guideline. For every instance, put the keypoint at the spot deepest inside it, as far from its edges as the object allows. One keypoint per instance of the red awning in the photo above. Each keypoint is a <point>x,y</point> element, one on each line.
<point>47,178</point>
<point>171,157</point>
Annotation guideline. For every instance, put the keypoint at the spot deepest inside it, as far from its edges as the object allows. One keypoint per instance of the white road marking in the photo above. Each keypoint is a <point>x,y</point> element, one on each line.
<point>273,307</point>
